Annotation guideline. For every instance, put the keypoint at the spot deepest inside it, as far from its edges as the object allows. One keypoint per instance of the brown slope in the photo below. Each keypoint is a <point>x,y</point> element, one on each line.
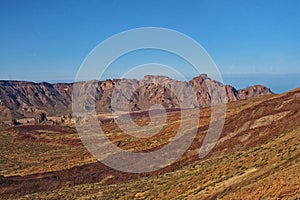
<point>263,121</point>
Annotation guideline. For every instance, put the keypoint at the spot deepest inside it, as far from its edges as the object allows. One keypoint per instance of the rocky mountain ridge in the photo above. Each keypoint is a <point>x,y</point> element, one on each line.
<point>21,99</point>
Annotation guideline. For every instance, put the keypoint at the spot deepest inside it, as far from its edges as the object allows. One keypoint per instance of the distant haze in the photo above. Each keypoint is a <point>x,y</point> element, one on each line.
<point>278,83</point>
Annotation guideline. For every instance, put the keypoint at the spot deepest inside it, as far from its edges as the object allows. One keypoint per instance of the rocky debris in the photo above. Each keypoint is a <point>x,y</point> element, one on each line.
<point>67,119</point>
<point>40,117</point>
<point>52,122</point>
<point>14,122</point>
<point>30,110</point>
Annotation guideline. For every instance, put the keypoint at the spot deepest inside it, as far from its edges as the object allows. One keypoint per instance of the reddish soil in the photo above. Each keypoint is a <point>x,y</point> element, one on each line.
<point>95,172</point>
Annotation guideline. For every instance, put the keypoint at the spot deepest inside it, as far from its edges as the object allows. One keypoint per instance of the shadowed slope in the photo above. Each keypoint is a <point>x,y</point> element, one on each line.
<point>249,124</point>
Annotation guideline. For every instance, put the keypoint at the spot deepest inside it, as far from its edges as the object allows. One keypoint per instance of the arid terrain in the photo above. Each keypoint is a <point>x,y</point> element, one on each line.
<point>256,157</point>
<point>20,99</point>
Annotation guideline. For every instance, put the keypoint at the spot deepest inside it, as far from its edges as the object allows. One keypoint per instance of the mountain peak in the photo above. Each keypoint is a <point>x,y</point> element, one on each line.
<point>21,99</point>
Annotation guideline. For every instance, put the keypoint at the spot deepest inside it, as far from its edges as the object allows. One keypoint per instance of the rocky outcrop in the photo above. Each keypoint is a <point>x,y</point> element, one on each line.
<point>253,91</point>
<point>19,99</point>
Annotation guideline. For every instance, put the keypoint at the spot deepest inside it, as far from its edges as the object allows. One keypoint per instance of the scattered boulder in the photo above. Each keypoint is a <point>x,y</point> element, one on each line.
<point>52,122</point>
<point>67,119</point>
<point>14,122</point>
<point>40,118</point>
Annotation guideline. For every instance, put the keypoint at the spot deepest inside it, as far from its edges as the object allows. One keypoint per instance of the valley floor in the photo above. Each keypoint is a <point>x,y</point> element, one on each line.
<point>257,157</point>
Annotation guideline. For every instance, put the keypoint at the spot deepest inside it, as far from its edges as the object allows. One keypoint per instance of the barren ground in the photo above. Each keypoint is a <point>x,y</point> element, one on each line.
<point>256,157</point>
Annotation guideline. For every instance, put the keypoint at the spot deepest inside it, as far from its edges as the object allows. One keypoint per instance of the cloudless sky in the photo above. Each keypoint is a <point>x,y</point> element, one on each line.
<point>48,40</point>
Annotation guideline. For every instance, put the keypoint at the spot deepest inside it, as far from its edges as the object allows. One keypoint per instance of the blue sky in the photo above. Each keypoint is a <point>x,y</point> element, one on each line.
<point>48,40</point>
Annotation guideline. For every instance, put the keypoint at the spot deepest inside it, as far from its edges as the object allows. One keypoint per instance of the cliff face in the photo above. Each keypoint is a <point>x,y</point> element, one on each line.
<point>23,99</point>
<point>20,99</point>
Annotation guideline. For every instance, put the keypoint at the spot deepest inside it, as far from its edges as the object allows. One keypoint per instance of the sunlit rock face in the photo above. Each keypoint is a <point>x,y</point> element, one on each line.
<point>19,99</point>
